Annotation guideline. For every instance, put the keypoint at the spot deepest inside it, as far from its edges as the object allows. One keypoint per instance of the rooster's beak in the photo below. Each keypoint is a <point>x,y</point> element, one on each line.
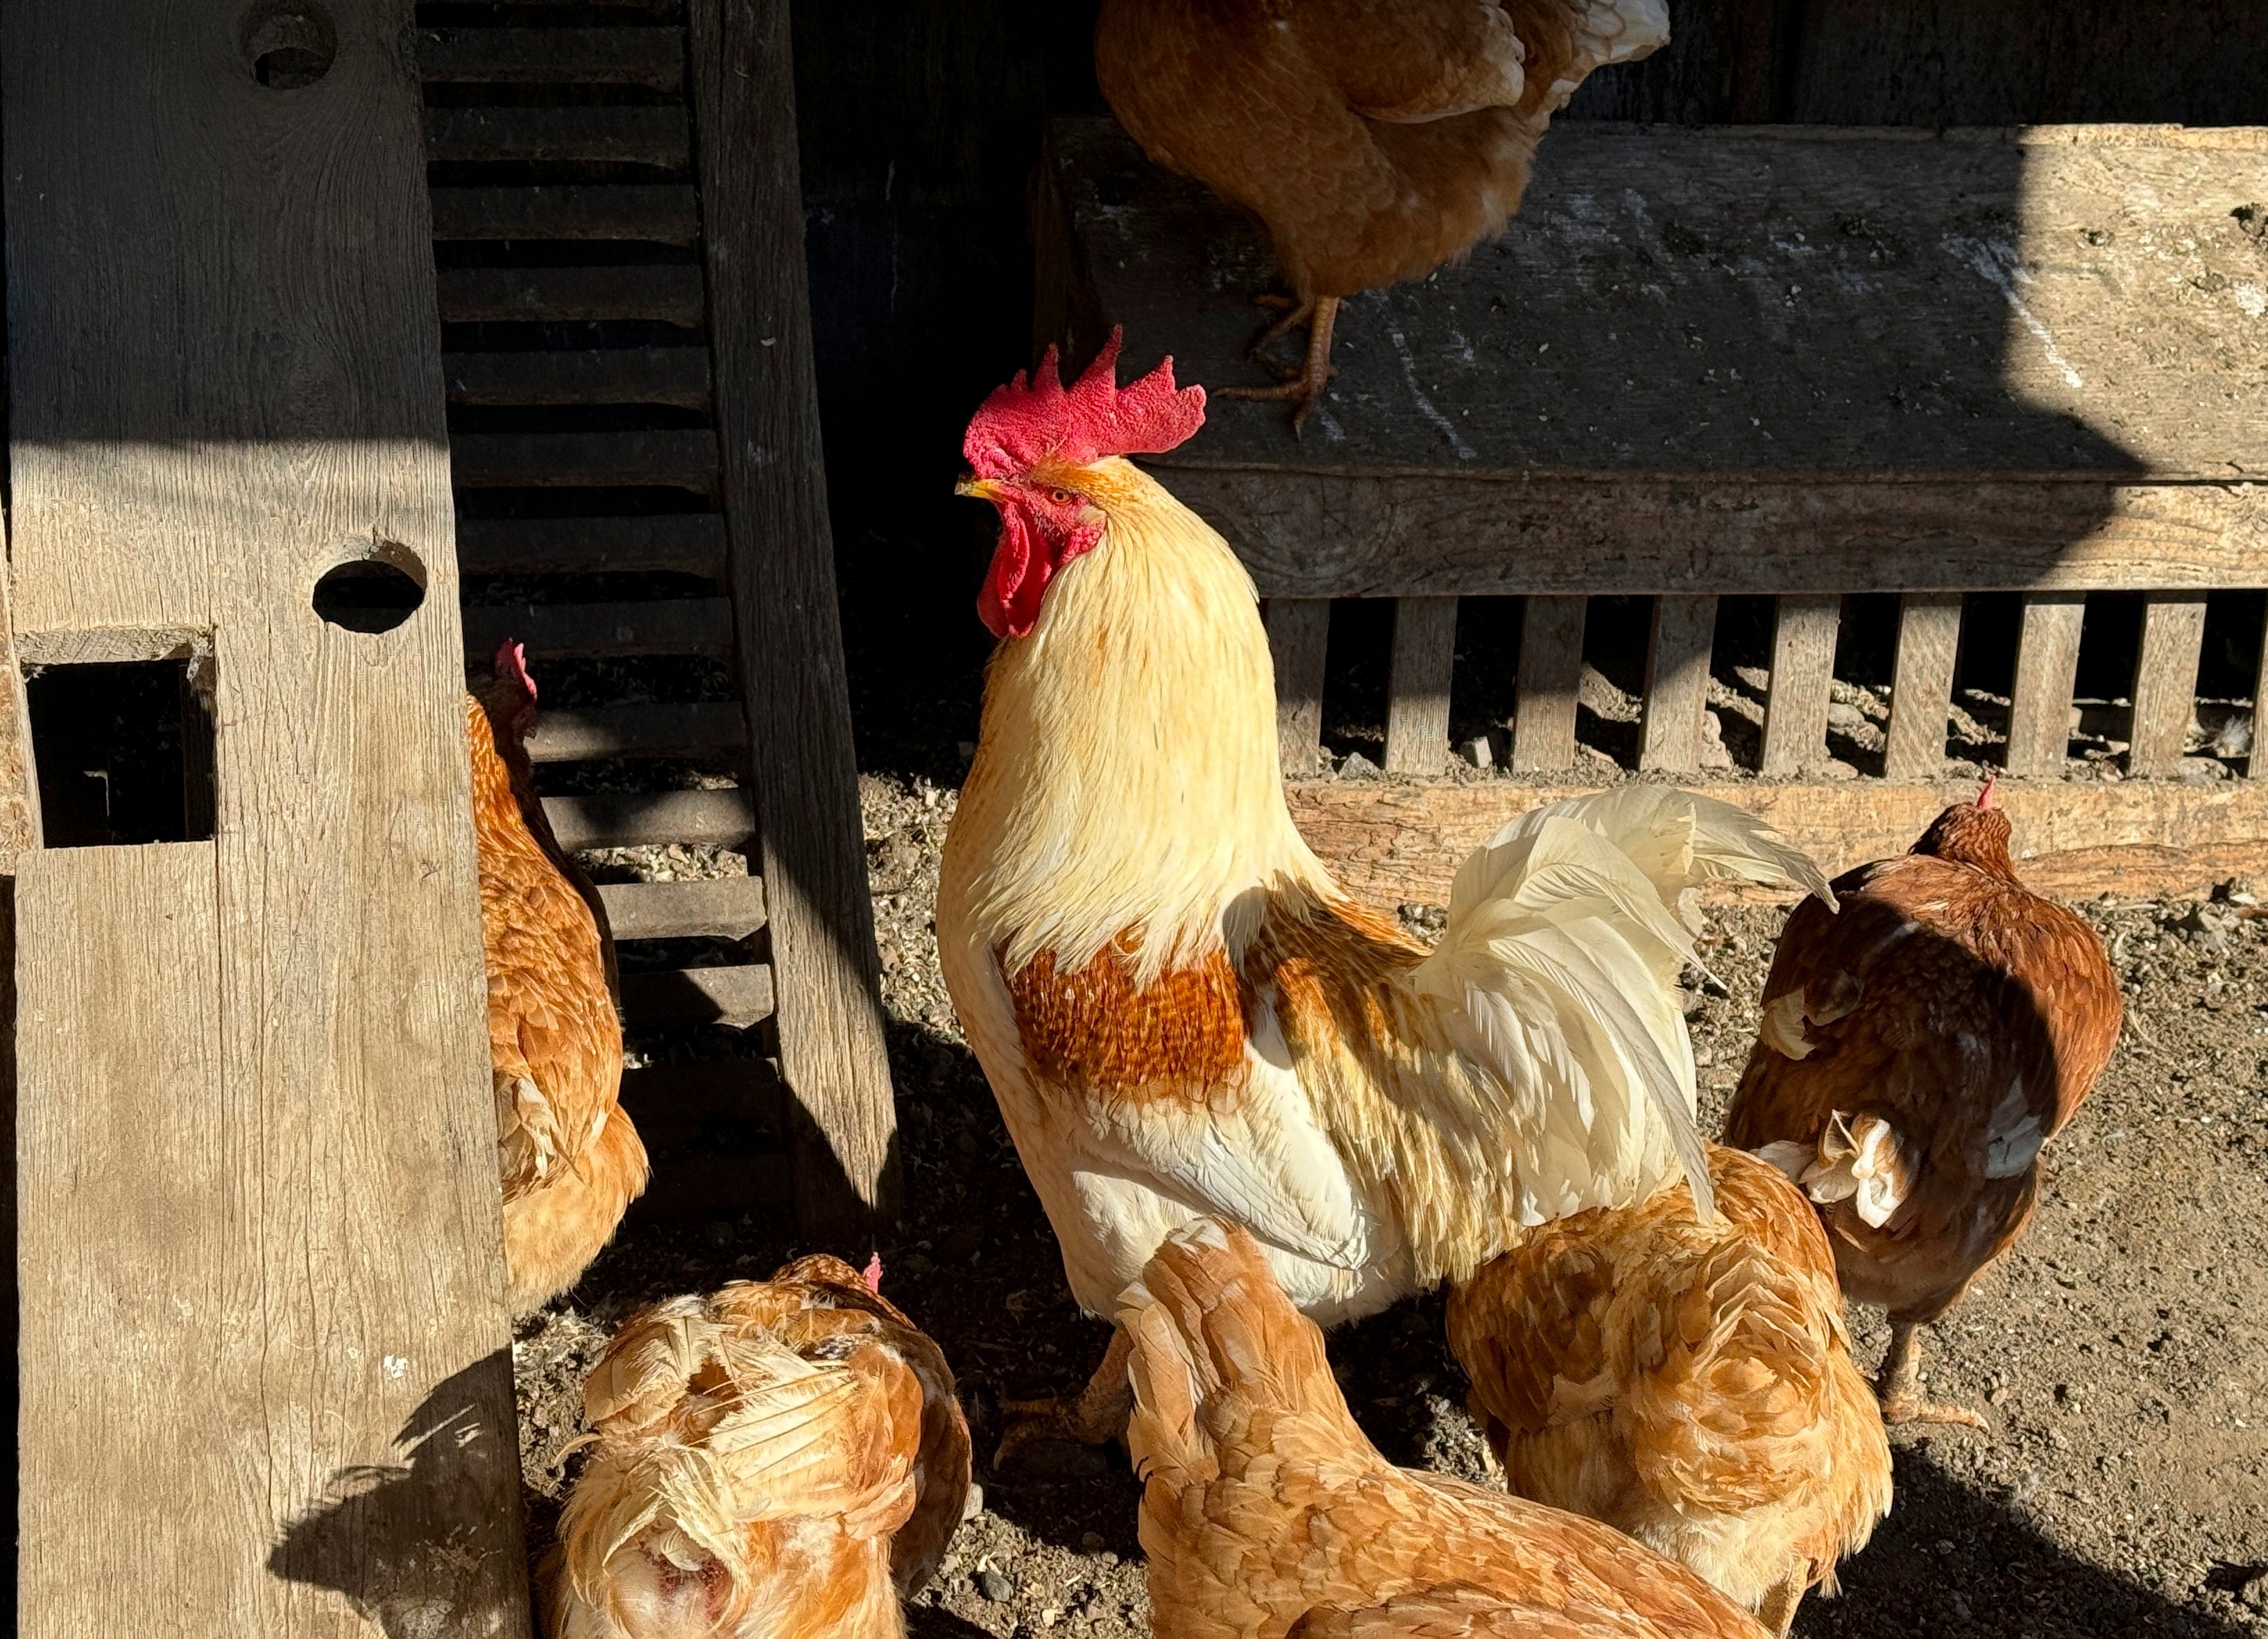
<point>978,488</point>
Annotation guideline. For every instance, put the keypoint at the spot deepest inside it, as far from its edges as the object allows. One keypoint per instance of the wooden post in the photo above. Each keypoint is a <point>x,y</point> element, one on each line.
<point>1677,684</point>
<point>1418,684</point>
<point>2165,681</point>
<point>2254,765</point>
<point>1299,635</point>
<point>1921,688</point>
<point>259,1256</point>
<point>782,564</point>
<point>1802,676</point>
<point>1550,664</point>
<point>2047,674</point>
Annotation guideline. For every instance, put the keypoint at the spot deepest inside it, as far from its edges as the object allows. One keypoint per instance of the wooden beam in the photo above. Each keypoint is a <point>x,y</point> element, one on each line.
<point>783,573</point>
<point>2047,675</point>
<point>681,543</point>
<point>1802,672</point>
<point>609,135</point>
<point>2165,681</point>
<point>1550,664</point>
<point>662,295</point>
<point>1299,634</point>
<point>649,213</point>
<point>1921,688</point>
<point>1418,684</point>
<point>1677,684</point>
<point>631,819</point>
<point>2256,763</point>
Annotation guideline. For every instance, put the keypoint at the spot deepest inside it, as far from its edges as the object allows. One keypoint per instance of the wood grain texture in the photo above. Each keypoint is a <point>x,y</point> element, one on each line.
<point>1804,630</point>
<point>1676,683</point>
<point>1551,664</point>
<point>629,819</point>
<point>791,644</point>
<point>714,729</point>
<point>720,908</point>
<point>2254,765</point>
<point>19,784</point>
<point>1390,843</point>
<point>653,213</point>
<point>1418,684</point>
<point>1299,635</point>
<point>2165,681</point>
<point>1921,686</point>
<point>2047,675</point>
<point>225,377</point>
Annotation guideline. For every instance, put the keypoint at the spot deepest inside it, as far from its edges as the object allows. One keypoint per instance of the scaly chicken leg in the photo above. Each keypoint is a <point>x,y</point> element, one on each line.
<point>1305,386</point>
<point>1899,1385</point>
<point>1096,1416</point>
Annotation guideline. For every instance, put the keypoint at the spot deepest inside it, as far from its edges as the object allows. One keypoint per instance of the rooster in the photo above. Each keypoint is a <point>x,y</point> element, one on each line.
<point>571,1161</point>
<point>1917,1052</point>
<point>786,1459</point>
<point>1374,139</point>
<point>1265,1511</point>
<point>1179,1010</point>
<point>1688,1383</point>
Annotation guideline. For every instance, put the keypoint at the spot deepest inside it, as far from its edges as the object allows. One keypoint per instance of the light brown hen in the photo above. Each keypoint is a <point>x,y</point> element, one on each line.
<point>1687,1382</point>
<point>1265,1511</point>
<point>1918,1051</point>
<point>785,1459</point>
<point>571,1160</point>
<point>1374,139</point>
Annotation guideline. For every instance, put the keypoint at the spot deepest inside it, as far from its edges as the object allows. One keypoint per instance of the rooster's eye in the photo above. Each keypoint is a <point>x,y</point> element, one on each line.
<point>1063,497</point>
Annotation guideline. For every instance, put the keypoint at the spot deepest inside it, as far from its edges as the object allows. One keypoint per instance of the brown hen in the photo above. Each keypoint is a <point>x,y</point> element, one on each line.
<point>1689,1384</point>
<point>786,1459</point>
<point>1266,1512</point>
<point>1374,139</point>
<point>1918,1051</point>
<point>572,1163</point>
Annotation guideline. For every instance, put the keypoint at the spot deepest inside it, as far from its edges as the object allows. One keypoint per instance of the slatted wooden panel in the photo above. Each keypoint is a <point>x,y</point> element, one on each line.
<point>1677,684</point>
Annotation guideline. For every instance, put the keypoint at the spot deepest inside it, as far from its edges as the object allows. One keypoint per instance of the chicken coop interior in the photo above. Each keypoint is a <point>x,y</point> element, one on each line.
<point>1862,415</point>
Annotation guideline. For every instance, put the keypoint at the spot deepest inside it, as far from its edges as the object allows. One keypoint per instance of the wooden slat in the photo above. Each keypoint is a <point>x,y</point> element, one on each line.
<point>687,626</point>
<point>1803,665</point>
<point>712,729</point>
<point>584,460</point>
<point>651,57</point>
<point>734,997</point>
<point>721,907</point>
<point>626,135</point>
<point>687,543</point>
<point>1550,664</point>
<point>2165,681</point>
<point>639,375</point>
<point>19,805</point>
<point>783,571</point>
<point>1417,686</point>
<point>657,214</point>
<point>630,818</point>
<point>1921,688</point>
<point>1299,635</point>
<point>2256,763</point>
<point>661,294</point>
<point>1677,684</point>
<point>2047,675</point>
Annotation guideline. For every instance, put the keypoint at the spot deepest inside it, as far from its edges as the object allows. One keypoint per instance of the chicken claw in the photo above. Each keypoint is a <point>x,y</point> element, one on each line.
<point>1095,1416</point>
<point>1305,386</point>
<point>1899,1385</point>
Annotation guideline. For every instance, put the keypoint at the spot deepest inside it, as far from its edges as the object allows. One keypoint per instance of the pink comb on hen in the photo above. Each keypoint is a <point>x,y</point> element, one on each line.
<point>1020,423</point>
<point>511,664</point>
<point>1984,797</point>
<point>872,1274</point>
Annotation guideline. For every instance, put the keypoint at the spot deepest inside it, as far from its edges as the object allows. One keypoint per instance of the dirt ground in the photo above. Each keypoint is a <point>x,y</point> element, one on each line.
<point>2118,1352</point>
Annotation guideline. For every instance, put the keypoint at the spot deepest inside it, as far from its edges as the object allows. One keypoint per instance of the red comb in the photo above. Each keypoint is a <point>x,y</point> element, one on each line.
<point>1984,797</point>
<point>872,1274</point>
<point>1020,423</point>
<point>511,664</point>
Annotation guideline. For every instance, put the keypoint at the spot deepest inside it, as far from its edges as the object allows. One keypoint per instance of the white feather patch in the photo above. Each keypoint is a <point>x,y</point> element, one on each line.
<point>1782,1030</point>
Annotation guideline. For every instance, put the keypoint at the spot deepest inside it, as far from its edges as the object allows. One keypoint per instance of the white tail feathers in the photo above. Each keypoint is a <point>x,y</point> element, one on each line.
<point>1860,1159</point>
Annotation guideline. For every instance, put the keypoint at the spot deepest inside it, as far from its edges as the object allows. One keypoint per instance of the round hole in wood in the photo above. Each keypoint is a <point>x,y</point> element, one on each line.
<point>382,585</point>
<point>287,47</point>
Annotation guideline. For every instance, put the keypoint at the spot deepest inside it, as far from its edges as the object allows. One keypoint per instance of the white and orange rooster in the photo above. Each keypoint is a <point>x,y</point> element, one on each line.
<point>1181,1013</point>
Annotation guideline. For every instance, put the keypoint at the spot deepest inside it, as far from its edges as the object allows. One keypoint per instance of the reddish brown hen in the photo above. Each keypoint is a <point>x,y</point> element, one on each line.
<point>1918,1049</point>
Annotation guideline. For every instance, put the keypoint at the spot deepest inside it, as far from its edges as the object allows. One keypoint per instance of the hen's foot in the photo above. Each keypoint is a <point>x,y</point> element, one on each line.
<point>1095,1416</point>
<point>1911,1407</point>
<point>1304,387</point>
<point>1296,314</point>
<point>1899,1385</point>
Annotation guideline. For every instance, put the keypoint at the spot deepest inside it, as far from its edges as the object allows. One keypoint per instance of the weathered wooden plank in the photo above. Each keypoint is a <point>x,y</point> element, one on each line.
<point>2257,764</point>
<point>1803,665</point>
<point>734,997</point>
<point>648,213</point>
<point>783,574</point>
<point>19,783</point>
<point>2047,674</point>
<point>686,543</point>
<point>689,625</point>
<point>714,729</point>
<point>662,294</point>
<point>677,376</point>
<point>720,908</point>
<point>210,405</point>
<point>1399,844</point>
<point>630,818</point>
<point>611,135</point>
<point>1921,688</point>
<point>2165,681</point>
<point>1551,664</point>
<point>1676,683</point>
<point>651,57</point>
<point>1298,637</point>
<point>683,459</point>
<point>1418,684</point>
